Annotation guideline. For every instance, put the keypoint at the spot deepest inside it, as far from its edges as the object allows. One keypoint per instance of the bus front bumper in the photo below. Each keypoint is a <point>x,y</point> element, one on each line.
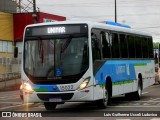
<point>68,96</point>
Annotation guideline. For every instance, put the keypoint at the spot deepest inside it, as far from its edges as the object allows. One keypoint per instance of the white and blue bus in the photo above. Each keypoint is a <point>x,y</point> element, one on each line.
<point>84,62</point>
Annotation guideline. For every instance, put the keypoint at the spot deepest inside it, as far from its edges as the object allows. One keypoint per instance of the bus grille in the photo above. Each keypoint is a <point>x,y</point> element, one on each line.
<point>46,97</point>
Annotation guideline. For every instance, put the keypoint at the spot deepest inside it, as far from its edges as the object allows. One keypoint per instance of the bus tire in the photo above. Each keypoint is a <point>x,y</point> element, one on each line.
<point>103,102</point>
<point>137,94</point>
<point>50,105</point>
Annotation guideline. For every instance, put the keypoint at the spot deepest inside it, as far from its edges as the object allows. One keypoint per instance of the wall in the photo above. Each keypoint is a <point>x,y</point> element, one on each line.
<point>21,20</point>
<point>6,42</point>
<point>8,6</point>
<point>6,26</point>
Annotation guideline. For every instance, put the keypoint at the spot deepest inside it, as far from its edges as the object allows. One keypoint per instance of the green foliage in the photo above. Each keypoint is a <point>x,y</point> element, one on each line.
<point>155,45</point>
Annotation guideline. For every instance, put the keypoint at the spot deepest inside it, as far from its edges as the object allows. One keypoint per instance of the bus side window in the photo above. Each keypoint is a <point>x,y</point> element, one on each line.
<point>150,47</point>
<point>131,46</point>
<point>115,46</point>
<point>123,45</point>
<point>145,47</point>
<point>138,47</point>
<point>96,53</point>
<point>105,45</point>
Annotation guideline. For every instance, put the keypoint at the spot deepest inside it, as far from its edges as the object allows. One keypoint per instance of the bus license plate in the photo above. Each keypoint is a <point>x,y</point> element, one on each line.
<point>55,100</point>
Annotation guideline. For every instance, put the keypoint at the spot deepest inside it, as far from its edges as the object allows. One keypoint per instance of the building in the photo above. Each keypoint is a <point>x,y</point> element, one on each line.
<point>21,20</point>
<point>12,25</point>
<point>9,6</point>
<point>6,41</point>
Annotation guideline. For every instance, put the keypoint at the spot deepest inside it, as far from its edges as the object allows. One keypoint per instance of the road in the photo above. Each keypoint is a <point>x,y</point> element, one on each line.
<point>150,101</point>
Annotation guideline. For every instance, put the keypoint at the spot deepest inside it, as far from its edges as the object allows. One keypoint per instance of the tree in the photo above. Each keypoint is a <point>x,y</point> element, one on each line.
<point>155,45</point>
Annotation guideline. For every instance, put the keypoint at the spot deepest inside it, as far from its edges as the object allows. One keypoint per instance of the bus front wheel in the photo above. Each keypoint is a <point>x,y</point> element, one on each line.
<point>103,102</point>
<point>50,105</point>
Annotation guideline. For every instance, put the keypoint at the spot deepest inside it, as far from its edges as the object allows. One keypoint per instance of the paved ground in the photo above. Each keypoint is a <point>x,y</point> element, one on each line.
<point>10,85</point>
<point>150,101</point>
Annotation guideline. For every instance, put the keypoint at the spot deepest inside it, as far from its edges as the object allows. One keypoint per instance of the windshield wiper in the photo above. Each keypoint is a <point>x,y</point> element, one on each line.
<point>41,50</point>
<point>66,44</point>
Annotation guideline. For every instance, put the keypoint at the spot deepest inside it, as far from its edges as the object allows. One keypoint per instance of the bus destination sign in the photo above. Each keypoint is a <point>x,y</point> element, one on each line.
<point>56,30</point>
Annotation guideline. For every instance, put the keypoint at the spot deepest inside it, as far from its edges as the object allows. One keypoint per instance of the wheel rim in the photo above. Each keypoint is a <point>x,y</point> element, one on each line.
<point>105,100</point>
<point>139,90</point>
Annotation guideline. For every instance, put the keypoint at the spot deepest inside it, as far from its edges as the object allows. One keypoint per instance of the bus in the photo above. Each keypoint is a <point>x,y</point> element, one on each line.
<point>78,61</point>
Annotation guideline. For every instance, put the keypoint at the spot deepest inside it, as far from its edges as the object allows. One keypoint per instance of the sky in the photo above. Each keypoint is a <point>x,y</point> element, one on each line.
<point>143,15</point>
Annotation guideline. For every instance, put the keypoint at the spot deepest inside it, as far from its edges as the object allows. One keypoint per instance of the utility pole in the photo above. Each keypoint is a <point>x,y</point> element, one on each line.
<point>34,11</point>
<point>18,2</point>
<point>20,6</point>
<point>115,11</point>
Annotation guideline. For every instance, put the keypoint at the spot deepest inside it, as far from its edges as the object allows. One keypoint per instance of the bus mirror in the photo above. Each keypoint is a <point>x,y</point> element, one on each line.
<point>15,52</point>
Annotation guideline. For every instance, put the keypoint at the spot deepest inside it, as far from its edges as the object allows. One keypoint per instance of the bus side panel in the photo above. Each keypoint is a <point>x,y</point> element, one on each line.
<point>129,86</point>
<point>147,71</point>
<point>99,92</point>
<point>124,75</point>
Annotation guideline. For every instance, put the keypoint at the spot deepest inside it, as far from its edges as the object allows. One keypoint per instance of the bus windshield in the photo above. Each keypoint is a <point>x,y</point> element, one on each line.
<point>53,57</point>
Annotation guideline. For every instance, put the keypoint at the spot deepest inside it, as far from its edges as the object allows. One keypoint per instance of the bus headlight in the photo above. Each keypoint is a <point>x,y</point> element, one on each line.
<point>27,88</point>
<point>84,83</point>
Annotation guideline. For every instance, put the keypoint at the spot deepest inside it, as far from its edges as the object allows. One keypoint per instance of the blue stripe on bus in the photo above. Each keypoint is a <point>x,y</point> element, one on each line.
<point>118,70</point>
<point>127,61</point>
<point>46,88</point>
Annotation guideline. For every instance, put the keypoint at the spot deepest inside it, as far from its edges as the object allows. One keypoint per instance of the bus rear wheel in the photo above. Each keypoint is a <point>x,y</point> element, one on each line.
<point>137,94</point>
<point>50,105</point>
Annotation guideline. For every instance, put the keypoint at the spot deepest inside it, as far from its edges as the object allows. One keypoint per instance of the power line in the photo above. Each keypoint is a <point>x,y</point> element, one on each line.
<point>121,15</point>
<point>124,3</point>
<point>90,3</point>
<point>103,5</point>
<point>100,4</point>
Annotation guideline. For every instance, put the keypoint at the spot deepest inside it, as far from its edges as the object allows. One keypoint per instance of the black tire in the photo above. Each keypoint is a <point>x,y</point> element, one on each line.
<point>50,106</point>
<point>103,102</point>
<point>137,94</point>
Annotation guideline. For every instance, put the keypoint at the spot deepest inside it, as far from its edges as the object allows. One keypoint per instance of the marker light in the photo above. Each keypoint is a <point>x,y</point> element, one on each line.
<point>85,83</point>
<point>118,24</point>
<point>27,88</point>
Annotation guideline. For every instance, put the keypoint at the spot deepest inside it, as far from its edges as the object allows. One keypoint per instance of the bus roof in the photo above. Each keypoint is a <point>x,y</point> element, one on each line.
<point>96,25</point>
